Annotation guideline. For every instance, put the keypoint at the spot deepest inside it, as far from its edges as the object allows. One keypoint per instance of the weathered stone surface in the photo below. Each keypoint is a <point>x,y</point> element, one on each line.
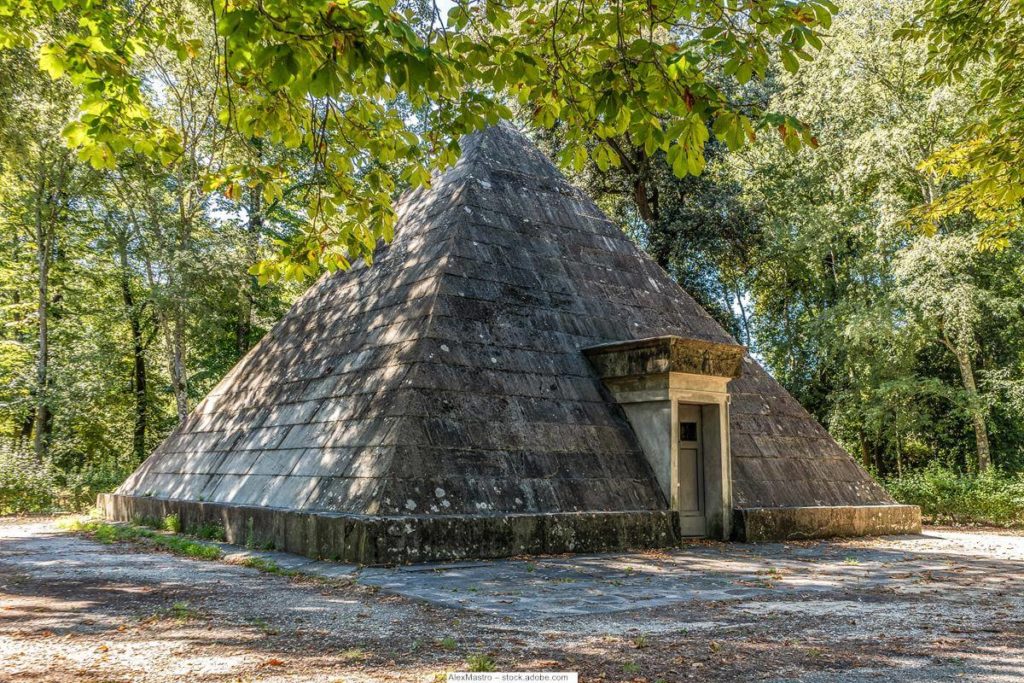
<point>447,381</point>
<point>795,523</point>
<point>374,540</point>
<point>659,355</point>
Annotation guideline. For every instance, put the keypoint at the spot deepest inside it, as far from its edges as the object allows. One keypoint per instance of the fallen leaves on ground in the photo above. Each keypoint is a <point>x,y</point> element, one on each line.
<point>273,661</point>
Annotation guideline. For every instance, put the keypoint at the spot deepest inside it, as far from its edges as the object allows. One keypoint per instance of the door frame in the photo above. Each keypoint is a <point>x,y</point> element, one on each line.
<point>711,395</point>
<point>648,378</point>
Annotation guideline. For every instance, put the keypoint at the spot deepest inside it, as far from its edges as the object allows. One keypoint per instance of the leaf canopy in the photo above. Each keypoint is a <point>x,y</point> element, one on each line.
<point>380,94</point>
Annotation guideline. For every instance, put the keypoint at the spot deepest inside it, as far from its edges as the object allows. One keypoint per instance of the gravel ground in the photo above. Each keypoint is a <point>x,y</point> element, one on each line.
<point>947,605</point>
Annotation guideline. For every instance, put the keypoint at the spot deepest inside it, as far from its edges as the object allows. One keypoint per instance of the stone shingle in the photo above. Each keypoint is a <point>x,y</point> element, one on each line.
<point>453,365</point>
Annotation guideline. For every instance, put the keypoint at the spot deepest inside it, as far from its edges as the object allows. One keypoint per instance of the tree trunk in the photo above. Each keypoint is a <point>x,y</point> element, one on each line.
<point>743,317</point>
<point>880,467</point>
<point>644,205</point>
<point>865,452</point>
<point>139,376</point>
<point>175,332</point>
<point>899,458</point>
<point>42,237</point>
<point>175,336</point>
<point>977,412</point>
<point>248,293</point>
<point>659,244</point>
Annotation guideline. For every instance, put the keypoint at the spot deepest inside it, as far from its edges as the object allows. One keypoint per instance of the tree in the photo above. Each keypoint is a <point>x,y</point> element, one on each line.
<point>42,177</point>
<point>334,78</point>
<point>979,41</point>
<point>847,308</point>
<point>941,280</point>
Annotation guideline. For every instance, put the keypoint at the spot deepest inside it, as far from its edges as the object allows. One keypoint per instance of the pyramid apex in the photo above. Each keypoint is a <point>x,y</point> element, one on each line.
<point>504,147</point>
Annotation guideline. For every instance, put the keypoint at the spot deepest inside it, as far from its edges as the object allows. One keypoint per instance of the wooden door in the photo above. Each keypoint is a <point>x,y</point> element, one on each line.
<point>690,471</point>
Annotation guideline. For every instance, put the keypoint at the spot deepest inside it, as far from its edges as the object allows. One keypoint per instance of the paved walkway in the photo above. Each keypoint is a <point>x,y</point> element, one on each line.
<point>942,606</point>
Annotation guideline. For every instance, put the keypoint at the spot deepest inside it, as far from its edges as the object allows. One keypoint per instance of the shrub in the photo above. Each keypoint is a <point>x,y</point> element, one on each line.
<point>480,663</point>
<point>210,531</point>
<point>947,496</point>
<point>172,523</point>
<point>29,486</point>
<point>83,485</point>
<point>105,532</point>
<point>26,485</point>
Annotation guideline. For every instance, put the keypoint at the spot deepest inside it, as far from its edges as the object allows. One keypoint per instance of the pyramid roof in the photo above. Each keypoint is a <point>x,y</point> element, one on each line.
<point>448,379</point>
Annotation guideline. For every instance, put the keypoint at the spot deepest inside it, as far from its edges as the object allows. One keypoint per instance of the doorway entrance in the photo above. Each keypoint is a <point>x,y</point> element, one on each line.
<point>674,392</point>
<point>691,495</point>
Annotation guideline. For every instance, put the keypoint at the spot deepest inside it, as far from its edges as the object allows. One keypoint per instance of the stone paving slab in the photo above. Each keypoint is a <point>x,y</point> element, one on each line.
<point>289,562</point>
<point>607,583</point>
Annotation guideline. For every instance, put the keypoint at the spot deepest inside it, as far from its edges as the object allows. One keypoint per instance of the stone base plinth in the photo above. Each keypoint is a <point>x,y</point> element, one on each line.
<point>374,540</point>
<point>795,523</point>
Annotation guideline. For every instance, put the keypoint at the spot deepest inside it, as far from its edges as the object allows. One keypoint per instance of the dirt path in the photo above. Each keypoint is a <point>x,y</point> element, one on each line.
<point>944,606</point>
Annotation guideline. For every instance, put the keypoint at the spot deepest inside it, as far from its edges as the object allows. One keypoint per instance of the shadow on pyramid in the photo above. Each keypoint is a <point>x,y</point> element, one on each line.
<point>511,376</point>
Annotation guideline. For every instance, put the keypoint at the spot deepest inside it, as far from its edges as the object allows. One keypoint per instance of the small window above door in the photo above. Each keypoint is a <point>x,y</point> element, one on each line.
<point>687,431</point>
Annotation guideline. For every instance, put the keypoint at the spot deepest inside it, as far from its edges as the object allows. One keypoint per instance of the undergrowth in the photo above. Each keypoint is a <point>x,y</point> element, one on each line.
<point>267,566</point>
<point>950,497</point>
<point>32,486</point>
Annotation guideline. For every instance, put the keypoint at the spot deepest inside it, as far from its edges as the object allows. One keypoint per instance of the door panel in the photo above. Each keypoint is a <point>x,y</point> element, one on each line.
<point>690,468</point>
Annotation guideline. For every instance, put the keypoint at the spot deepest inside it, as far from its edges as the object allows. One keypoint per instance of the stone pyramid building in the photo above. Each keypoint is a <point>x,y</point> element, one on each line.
<point>511,376</point>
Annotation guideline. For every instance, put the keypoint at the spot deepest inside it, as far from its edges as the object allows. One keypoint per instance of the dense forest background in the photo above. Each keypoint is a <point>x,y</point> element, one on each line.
<point>126,293</point>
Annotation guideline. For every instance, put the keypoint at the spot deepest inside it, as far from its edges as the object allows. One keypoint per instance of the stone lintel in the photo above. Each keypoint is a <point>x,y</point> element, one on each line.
<point>668,354</point>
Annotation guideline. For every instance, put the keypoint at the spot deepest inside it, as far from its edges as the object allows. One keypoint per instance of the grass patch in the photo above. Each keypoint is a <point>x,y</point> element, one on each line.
<point>182,611</point>
<point>480,663</point>
<point>209,531</point>
<point>268,566</point>
<point>104,532</point>
<point>189,548</point>
<point>265,627</point>
<point>355,654</point>
<point>172,523</point>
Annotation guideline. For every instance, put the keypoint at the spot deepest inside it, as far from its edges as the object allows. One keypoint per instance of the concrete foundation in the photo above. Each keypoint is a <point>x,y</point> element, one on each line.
<point>796,523</point>
<point>370,540</point>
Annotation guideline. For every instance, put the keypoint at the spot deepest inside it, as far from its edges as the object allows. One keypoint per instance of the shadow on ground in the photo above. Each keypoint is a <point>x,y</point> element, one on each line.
<point>944,606</point>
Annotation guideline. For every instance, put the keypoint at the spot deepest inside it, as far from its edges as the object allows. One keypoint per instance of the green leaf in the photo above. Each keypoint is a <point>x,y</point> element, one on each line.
<point>75,133</point>
<point>325,81</point>
<point>285,66</point>
<point>789,61</point>
<point>744,72</point>
<point>51,60</point>
<point>605,157</point>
